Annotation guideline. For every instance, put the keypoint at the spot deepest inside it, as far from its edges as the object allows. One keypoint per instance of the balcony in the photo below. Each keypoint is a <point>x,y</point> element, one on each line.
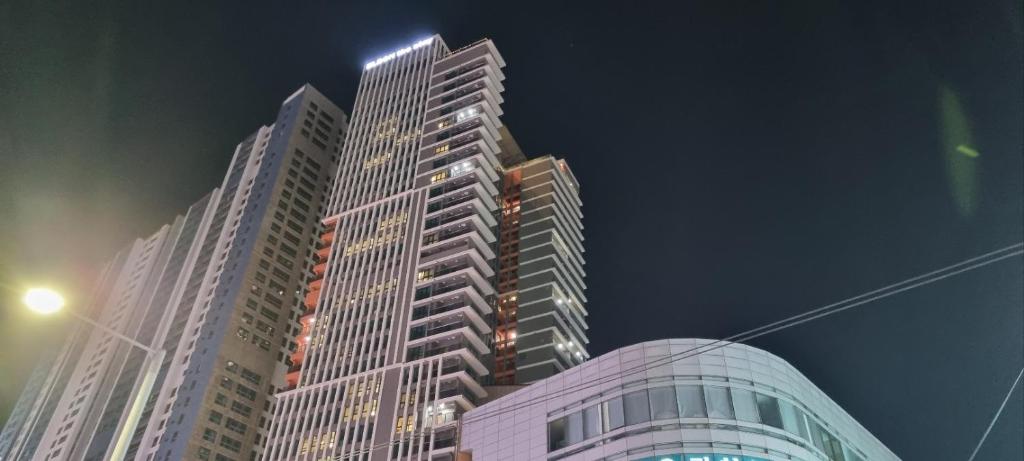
<point>441,306</point>
<point>310,300</point>
<point>453,228</point>
<point>465,337</point>
<point>456,211</point>
<point>449,323</point>
<point>484,191</point>
<point>327,237</point>
<point>451,243</point>
<point>444,197</point>
<point>468,280</point>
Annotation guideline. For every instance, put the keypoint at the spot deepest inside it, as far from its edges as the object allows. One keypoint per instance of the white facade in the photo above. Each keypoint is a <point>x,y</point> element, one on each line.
<point>216,294</point>
<point>395,333</point>
<point>660,401</point>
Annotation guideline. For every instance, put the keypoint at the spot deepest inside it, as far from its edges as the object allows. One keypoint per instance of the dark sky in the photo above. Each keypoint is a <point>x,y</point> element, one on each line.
<point>740,162</point>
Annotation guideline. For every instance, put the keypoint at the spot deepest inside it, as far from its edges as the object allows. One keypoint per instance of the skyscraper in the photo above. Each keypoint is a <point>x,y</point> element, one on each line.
<point>218,291</point>
<point>433,216</point>
<point>234,344</point>
<point>540,322</point>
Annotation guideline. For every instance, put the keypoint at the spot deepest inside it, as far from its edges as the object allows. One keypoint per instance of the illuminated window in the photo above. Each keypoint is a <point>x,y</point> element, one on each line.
<point>441,149</point>
<point>425,275</point>
<point>464,114</point>
<point>461,168</point>
<point>439,176</point>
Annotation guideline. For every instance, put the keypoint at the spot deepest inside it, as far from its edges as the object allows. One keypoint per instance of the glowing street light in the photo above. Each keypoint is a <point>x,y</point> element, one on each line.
<point>46,301</point>
<point>43,300</point>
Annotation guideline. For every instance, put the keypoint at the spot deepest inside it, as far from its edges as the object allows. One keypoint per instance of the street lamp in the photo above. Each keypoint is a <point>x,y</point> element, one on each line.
<point>43,300</point>
<point>46,301</point>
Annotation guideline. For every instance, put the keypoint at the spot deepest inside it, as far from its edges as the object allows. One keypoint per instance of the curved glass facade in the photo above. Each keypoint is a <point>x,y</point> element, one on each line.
<point>722,405</point>
<point>656,401</point>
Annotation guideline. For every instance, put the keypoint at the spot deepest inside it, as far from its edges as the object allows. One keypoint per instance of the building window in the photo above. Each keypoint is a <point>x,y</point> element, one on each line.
<point>230,443</point>
<point>246,392</point>
<point>636,407</point>
<point>557,434</point>
<point>592,421</point>
<point>793,419</point>
<point>663,403</point>
<point>241,408</point>
<point>235,425</point>
<point>746,408</point>
<point>719,402</point>
<point>768,408</point>
<point>691,402</point>
<point>612,414</point>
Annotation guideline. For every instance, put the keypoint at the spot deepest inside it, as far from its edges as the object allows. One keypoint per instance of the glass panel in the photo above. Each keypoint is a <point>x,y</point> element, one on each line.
<point>574,428</point>
<point>691,402</point>
<point>719,403</point>
<point>591,421</point>
<point>833,449</point>
<point>768,408</point>
<point>746,408</point>
<point>612,414</point>
<point>556,434</point>
<point>636,406</point>
<point>792,419</point>
<point>818,435</point>
<point>663,403</point>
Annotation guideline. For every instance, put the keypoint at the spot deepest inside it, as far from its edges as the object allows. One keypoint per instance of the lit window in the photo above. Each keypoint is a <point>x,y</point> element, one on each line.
<point>464,114</point>
<point>461,168</point>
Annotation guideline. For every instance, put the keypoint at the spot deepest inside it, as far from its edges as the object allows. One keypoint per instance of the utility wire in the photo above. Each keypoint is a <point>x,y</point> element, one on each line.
<point>913,282</point>
<point>813,314</point>
<point>996,416</point>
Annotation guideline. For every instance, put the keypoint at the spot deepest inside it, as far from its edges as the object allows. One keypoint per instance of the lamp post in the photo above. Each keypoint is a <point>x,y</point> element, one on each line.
<point>47,302</point>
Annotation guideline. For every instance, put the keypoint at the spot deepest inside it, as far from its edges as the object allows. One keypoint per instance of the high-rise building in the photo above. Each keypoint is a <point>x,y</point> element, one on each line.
<point>670,400</point>
<point>540,322</point>
<point>449,262</point>
<point>218,292</point>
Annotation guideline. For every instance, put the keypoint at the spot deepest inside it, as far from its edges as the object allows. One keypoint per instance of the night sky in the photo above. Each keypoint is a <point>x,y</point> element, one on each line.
<point>740,162</point>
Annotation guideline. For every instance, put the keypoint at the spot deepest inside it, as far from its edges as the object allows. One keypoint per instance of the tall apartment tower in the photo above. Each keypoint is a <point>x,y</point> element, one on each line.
<point>88,387</point>
<point>432,217</point>
<point>219,292</point>
<point>540,320</point>
<point>234,343</point>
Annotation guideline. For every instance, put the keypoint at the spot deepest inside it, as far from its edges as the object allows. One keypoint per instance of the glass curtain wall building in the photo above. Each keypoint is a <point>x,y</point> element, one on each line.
<point>433,217</point>
<point>658,401</point>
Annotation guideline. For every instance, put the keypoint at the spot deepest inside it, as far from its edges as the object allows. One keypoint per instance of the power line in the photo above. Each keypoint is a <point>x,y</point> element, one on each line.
<point>813,314</point>
<point>794,320</point>
<point>996,416</point>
